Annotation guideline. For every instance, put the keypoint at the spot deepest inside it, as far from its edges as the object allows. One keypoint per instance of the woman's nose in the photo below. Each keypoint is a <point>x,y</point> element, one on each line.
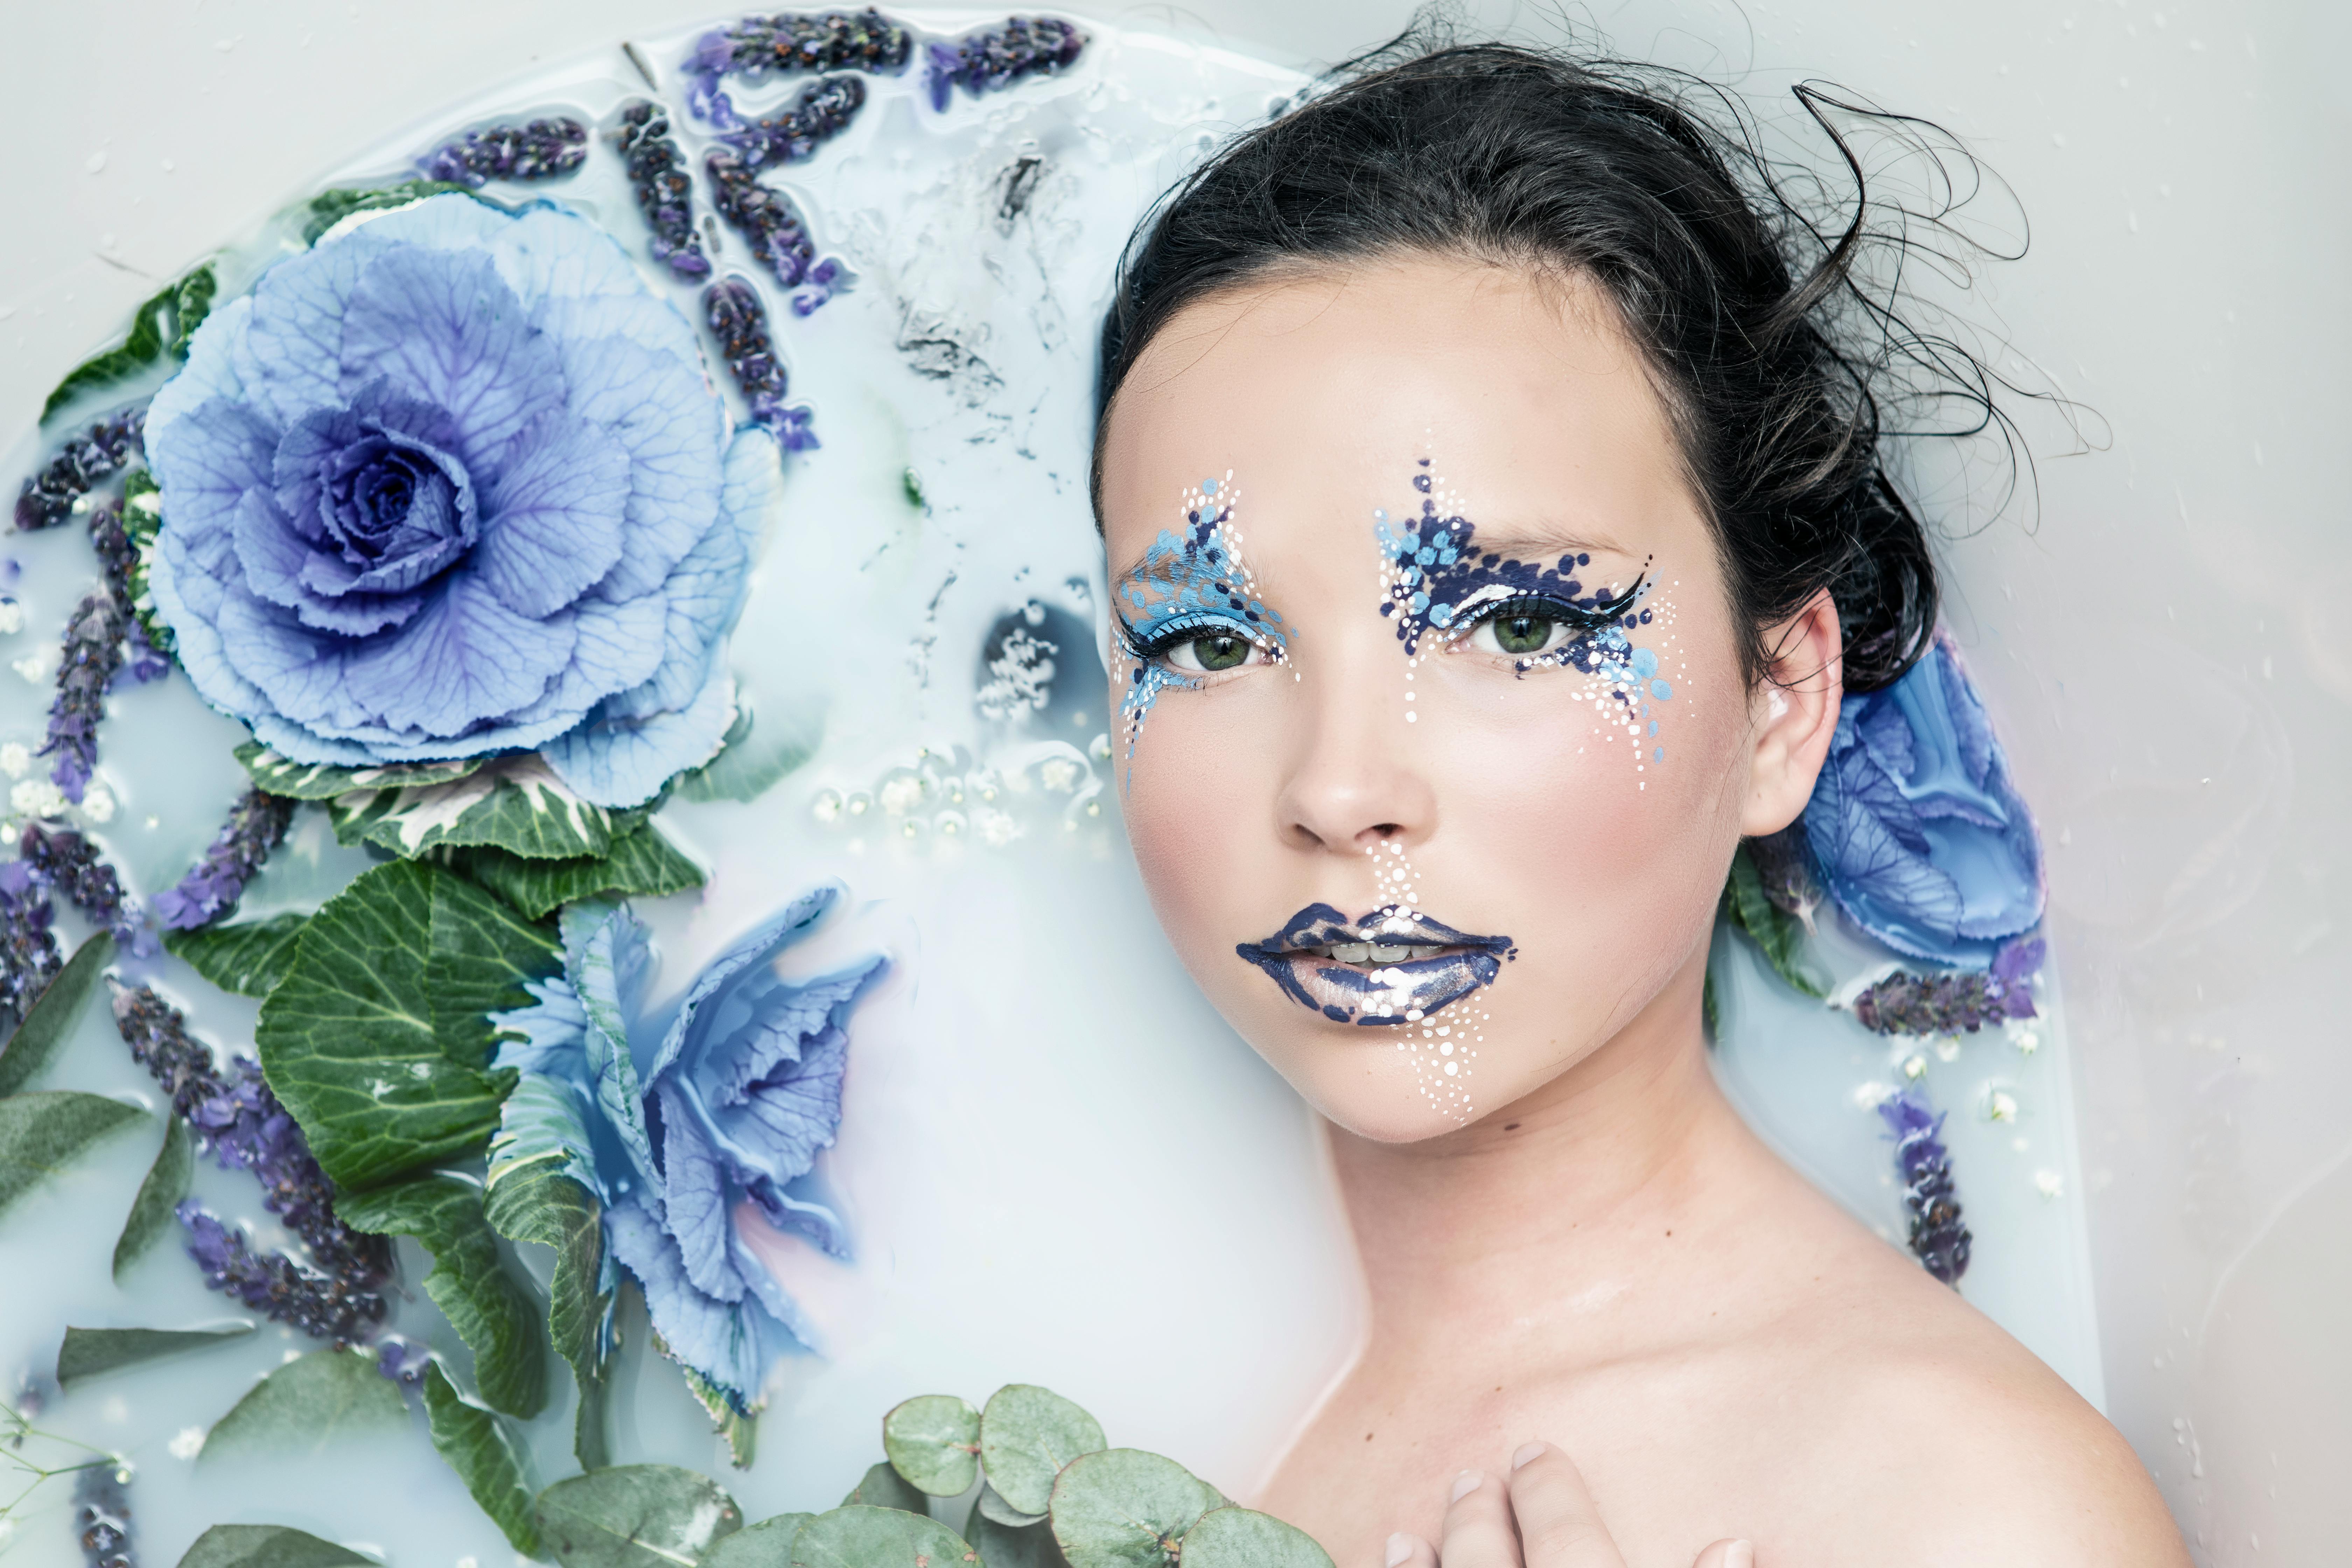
<point>1353,778</point>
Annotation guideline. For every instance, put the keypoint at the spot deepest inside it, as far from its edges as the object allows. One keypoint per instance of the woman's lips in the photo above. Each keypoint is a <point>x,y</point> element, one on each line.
<point>1394,966</point>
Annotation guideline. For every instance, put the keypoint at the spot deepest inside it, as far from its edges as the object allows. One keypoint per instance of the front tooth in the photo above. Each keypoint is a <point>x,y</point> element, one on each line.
<point>1350,951</point>
<point>1384,954</point>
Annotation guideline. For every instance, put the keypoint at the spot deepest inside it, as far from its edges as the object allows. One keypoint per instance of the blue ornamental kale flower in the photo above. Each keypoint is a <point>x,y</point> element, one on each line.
<point>1918,834</point>
<point>454,483</point>
<point>673,1127</point>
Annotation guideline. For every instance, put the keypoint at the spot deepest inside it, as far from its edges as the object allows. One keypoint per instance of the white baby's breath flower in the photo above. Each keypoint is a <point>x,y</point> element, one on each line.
<point>2001,1105</point>
<point>2049,1184</point>
<point>98,803</point>
<point>12,618</point>
<point>36,797</point>
<point>187,1443</point>
<point>36,665</point>
<point>15,759</point>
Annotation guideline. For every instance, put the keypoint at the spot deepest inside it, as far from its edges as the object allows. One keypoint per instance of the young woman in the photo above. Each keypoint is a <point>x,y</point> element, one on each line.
<point>1495,516</point>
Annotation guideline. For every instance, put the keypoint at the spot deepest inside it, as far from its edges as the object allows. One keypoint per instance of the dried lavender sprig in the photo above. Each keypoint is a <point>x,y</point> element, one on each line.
<point>322,1306</point>
<point>1939,1238</point>
<point>48,496</point>
<point>733,309</point>
<point>70,864</point>
<point>93,653</point>
<point>29,959</point>
<point>102,1516</point>
<point>791,135</point>
<point>255,825</point>
<point>757,46</point>
<point>1957,1002</point>
<point>539,150</point>
<point>658,173</point>
<point>993,57</point>
<point>778,240</point>
<point>240,1123</point>
<point>117,553</point>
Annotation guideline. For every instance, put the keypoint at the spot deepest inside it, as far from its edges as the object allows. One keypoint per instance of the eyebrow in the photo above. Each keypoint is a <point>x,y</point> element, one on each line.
<point>1542,539</point>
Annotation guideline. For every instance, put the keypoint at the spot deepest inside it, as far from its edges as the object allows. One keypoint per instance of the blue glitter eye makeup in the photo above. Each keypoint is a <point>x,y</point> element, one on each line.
<point>1190,608</point>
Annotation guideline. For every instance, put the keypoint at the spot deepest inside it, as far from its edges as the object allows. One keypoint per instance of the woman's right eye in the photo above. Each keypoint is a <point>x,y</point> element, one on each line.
<point>1212,651</point>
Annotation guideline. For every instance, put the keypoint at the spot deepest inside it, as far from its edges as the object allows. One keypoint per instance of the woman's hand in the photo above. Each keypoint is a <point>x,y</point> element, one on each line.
<point>1540,1516</point>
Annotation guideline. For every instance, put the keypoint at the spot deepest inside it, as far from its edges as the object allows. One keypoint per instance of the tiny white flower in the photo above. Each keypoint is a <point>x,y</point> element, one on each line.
<point>1947,1048</point>
<point>1915,1068</point>
<point>1057,774</point>
<point>98,803</point>
<point>2049,1184</point>
<point>35,666</point>
<point>2002,1105</point>
<point>15,759</point>
<point>36,797</point>
<point>1869,1096</point>
<point>901,794</point>
<point>12,618</point>
<point>187,1443</point>
<point>2026,1041</point>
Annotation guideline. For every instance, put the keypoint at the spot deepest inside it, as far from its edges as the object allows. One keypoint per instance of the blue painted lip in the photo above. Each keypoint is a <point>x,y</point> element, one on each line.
<point>1372,993</point>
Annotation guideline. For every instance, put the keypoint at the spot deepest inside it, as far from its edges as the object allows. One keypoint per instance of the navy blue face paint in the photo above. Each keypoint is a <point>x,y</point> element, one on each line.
<point>1394,966</point>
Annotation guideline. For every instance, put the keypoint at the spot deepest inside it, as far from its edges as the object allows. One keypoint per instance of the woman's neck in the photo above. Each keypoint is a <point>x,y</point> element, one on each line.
<point>1572,1197</point>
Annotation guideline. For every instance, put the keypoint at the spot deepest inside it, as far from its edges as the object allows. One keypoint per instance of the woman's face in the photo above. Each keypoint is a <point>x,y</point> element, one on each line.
<point>1428,720</point>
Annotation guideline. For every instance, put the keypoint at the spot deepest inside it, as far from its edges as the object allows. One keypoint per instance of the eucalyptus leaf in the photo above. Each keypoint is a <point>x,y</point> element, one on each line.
<point>159,331</point>
<point>268,1546</point>
<point>476,1447</point>
<point>1002,1546</point>
<point>767,1544</point>
<point>249,958</point>
<point>1777,934</point>
<point>752,762</point>
<point>1243,1538</point>
<point>306,1406</point>
<point>281,775</point>
<point>1123,1507</point>
<point>54,1013</point>
<point>536,1202</point>
<point>375,1039</point>
<point>40,1133</point>
<point>634,1515</point>
<point>496,1317</point>
<point>860,1537</point>
<point>1027,1435</point>
<point>151,1211</point>
<point>933,1441</point>
<point>641,863</point>
<point>992,1503</point>
<point>89,1351</point>
<point>883,1487</point>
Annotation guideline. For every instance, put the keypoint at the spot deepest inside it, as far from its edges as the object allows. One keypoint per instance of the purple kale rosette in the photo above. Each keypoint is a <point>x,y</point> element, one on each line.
<point>1915,826</point>
<point>451,484</point>
<point>675,1124</point>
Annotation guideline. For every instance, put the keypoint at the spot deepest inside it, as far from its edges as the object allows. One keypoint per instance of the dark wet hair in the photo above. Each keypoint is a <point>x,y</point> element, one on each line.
<point>1769,342</point>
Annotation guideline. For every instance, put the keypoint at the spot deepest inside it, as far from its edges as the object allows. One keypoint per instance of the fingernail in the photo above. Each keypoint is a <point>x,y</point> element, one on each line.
<point>1739,1555</point>
<point>1526,1451</point>
<point>1399,1548</point>
<point>1466,1483</point>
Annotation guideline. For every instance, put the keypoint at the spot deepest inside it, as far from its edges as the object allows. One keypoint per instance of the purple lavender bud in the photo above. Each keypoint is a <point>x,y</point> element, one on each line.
<point>539,150</point>
<point>102,1516</point>
<point>739,322</point>
<point>93,653</point>
<point>29,959</point>
<point>256,825</point>
<point>994,58</point>
<point>48,496</point>
<point>758,46</point>
<point>1939,1238</point>
<point>822,112</point>
<point>70,864</point>
<point>2019,959</point>
<point>403,1361</point>
<point>1948,1003</point>
<point>778,240</point>
<point>658,173</point>
<point>323,1307</point>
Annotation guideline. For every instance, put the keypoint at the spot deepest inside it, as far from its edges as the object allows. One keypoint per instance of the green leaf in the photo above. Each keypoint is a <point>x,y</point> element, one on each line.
<point>750,763</point>
<point>515,803</point>
<point>740,1430</point>
<point>471,1439</point>
<point>993,1504</point>
<point>859,1537</point>
<point>88,1352</point>
<point>536,1202</point>
<point>54,1013</point>
<point>1710,1011</point>
<point>329,208</point>
<point>306,1406</point>
<point>375,1039</point>
<point>151,1211</point>
<point>1778,934</point>
<point>142,520</point>
<point>1125,1509</point>
<point>883,1487</point>
<point>933,1441</point>
<point>1027,1435</point>
<point>642,862</point>
<point>40,1133</point>
<point>1002,1546</point>
<point>496,1317</point>
<point>767,1544</point>
<point>161,327</point>
<point>1243,1538</point>
<point>268,1546</point>
<point>634,1515</point>
<point>249,958</point>
<point>313,781</point>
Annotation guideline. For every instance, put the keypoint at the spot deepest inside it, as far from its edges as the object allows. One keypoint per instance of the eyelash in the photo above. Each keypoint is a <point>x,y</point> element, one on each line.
<point>1181,630</point>
<point>1584,618</point>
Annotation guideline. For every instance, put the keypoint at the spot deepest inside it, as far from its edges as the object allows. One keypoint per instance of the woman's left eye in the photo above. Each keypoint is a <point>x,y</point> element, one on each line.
<point>1521,630</point>
<point>1211,651</point>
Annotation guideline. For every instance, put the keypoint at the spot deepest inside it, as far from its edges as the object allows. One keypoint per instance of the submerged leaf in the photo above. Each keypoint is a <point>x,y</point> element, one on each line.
<point>1123,1507</point>
<point>329,208</point>
<point>40,1133</point>
<point>1243,1538</point>
<point>634,1515</point>
<point>992,1503</point>
<point>269,1546</point>
<point>284,776</point>
<point>1027,1435</point>
<point>860,1537</point>
<point>89,1351</point>
<point>884,1487</point>
<point>475,1446</point>
<point>933,1440</point>
<point>767,1544</point>
<point>161,327</point>
<point>249,958</point>
<point>1002,1546</point>
<point>1778,934</point>
<point>166,1184</point>
<point>537,1201</point>
<point>54,1013</point>
<point>496,1317</point>
<point>306,1406</point>
<point>752,762</point>
<point>641,863</point>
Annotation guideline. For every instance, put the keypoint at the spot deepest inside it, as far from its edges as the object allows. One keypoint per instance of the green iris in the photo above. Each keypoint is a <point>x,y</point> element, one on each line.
<point>1220,650</point>
<point>1523,634</point>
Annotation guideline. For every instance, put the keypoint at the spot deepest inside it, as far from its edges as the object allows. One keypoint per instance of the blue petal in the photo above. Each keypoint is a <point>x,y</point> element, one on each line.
<point>613,646</point>
<point>299,671</point>
<point>706,592</point>
<point>465,658</point>
<point>621,762</point>
<point>207,462</point>
<point>664,414</point>
<point>211,371</point>
<point>698,1198</point>
<point>732,1344</point>
<point>608,974</point>
<point>274,557</point>
<point>758,946</point>
<point>444,329</point>
<point>552,519</point>
<point>296,339</point>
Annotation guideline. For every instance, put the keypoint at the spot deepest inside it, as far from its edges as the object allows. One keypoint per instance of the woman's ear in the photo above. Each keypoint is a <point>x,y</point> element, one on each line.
<point>1794,711</point>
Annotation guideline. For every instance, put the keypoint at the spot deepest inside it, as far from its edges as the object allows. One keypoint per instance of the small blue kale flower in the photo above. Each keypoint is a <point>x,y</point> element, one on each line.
<point>1915,826</point>
<point>454,483</point>
<point>673,1127</point>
